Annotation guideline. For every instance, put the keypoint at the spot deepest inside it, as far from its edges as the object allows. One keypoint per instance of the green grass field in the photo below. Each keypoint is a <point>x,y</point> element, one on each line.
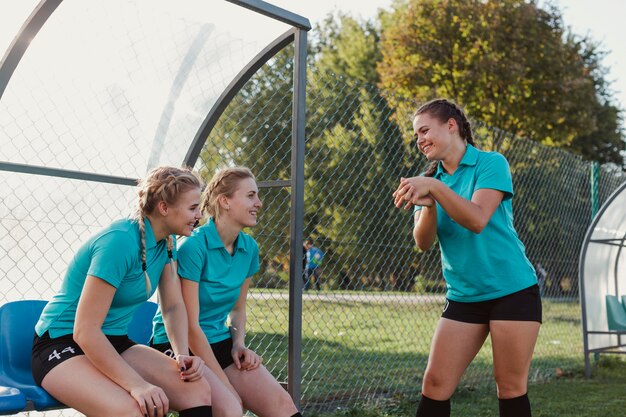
<point>360,352</point>
<point>568,396</point>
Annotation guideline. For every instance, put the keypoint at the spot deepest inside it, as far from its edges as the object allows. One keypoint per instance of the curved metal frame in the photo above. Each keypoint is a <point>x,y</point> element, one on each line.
<point>581,271</point>
<point>299,37</point>
<point>230,91</point>
<point>274,12</point>
<point>31,27</point>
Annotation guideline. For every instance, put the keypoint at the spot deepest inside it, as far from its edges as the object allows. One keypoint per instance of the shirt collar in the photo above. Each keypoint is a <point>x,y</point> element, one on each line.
<point>469,158</point>
<point>214,241</point>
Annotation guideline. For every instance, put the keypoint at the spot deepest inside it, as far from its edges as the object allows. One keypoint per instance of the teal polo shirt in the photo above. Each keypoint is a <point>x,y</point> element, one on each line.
<point>113,255</point>
<point>493,263</point>
<point>202,258</point>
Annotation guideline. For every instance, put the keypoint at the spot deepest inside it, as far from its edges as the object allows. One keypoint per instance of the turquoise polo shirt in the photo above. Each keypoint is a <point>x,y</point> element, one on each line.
<point>492,263</point>
<point>113,255</point>
<point>202,258</point>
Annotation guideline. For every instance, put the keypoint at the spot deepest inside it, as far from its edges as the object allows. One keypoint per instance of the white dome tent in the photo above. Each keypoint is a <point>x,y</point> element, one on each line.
<point>603,279</point>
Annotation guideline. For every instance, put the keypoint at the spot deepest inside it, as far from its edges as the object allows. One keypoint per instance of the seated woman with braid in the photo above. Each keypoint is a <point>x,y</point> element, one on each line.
<point>82,354</point>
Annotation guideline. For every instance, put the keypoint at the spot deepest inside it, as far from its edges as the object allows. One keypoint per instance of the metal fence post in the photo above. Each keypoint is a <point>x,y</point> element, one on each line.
<point>297,217</point>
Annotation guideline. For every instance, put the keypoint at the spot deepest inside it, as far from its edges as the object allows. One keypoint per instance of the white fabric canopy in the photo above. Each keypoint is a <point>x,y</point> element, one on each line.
<point>603,266</point>
<point>119,86</point>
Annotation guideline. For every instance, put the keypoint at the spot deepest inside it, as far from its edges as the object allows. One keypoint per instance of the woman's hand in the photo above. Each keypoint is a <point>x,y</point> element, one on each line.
<point>413,191</point>
<point>151,399</point>
<point>190,367</point>
<point>245,359</point>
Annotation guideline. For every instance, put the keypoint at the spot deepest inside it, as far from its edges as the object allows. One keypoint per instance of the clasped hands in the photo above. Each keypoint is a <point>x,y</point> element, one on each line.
<point>414,191</point>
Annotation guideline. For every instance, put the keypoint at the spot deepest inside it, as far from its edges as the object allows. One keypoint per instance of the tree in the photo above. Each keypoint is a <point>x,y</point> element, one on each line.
<point>510,63</point>
<point>355,156</point>
<point>255,131</point>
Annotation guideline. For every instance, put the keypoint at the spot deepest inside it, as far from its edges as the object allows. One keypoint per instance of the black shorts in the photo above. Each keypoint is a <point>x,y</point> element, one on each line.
<point>48,353</point>
<point>221,350</point>
<point>524,305</point>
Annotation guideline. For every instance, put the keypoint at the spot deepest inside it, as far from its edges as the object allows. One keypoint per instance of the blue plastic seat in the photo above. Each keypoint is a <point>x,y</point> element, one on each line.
<point>616,314</point>
<point>17,329</point>
<point>140,328</point>
<point>12,401</point>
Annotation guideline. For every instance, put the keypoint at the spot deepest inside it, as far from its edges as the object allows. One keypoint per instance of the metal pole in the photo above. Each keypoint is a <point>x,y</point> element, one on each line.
<point>230,91</point>
<point>594,175</point>
<point>297,217</point>
<point>594,181</point>
<point>26,34</point>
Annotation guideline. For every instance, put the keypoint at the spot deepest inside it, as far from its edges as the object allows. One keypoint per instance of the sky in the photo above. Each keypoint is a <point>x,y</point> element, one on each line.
<point>601,20</point>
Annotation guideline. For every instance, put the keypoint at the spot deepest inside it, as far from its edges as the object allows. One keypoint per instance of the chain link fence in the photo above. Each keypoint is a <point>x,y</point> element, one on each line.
<point>367,331</point>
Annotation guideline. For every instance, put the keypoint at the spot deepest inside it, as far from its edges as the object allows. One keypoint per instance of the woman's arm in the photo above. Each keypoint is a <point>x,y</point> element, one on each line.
<point>175,321</point>
<point>244,358</point>
<point>472,214</point>
<point>93,306</point>
<point>425,227</point>
<point>198,342</point>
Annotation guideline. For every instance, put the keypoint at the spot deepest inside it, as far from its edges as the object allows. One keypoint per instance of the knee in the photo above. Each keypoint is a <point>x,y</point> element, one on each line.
<point>436,386</point>
<point>285,403</point>
<point>197,393</point>
<point>227,410</point>
<point>124,408</point>
<point>508,387</point>
<point>227,406</point>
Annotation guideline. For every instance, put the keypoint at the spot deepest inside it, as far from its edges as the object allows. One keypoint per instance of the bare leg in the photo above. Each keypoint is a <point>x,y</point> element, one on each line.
<point>454,346</point>
<point>261,393</point>
<point>223,401</point>
<point>513,345</point>
<point>161,370</point>
<point>78,384</point>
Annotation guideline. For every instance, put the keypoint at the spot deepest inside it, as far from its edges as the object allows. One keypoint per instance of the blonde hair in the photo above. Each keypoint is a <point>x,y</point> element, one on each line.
<point>162,183</point>
<point>223,183</point>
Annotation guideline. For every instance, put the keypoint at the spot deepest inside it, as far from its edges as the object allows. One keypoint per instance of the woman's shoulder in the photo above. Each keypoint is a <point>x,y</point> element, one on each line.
<point>122,231</point>
<point>489,158</point>
<point>193,239</point>
<point>248,241</point>
<point>127,226</point>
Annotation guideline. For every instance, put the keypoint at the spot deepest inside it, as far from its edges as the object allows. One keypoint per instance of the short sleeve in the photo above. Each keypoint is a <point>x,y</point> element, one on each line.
<point>191,259</point>
<point>493,172</point>
<point>112,256</point>
<point>254,261</point>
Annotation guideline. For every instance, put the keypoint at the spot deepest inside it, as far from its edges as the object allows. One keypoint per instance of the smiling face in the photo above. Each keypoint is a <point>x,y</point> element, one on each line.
<point>435,139</point>
<point>244,204</point>
<point>184,213</point>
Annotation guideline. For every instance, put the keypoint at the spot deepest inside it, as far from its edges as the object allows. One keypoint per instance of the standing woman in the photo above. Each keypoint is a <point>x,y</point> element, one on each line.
<point>464,200</point>
<point>215,266</point>
<point>81,352</point>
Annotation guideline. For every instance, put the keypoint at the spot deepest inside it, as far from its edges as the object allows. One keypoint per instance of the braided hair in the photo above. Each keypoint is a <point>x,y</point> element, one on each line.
<point>161,184</point>
<point>224,182</point>
<point>444,110</point>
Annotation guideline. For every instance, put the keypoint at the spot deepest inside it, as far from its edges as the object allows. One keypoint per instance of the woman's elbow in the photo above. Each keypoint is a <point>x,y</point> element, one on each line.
<point>422,244</point>
<point>80,335</point>
<point>477,226</point>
